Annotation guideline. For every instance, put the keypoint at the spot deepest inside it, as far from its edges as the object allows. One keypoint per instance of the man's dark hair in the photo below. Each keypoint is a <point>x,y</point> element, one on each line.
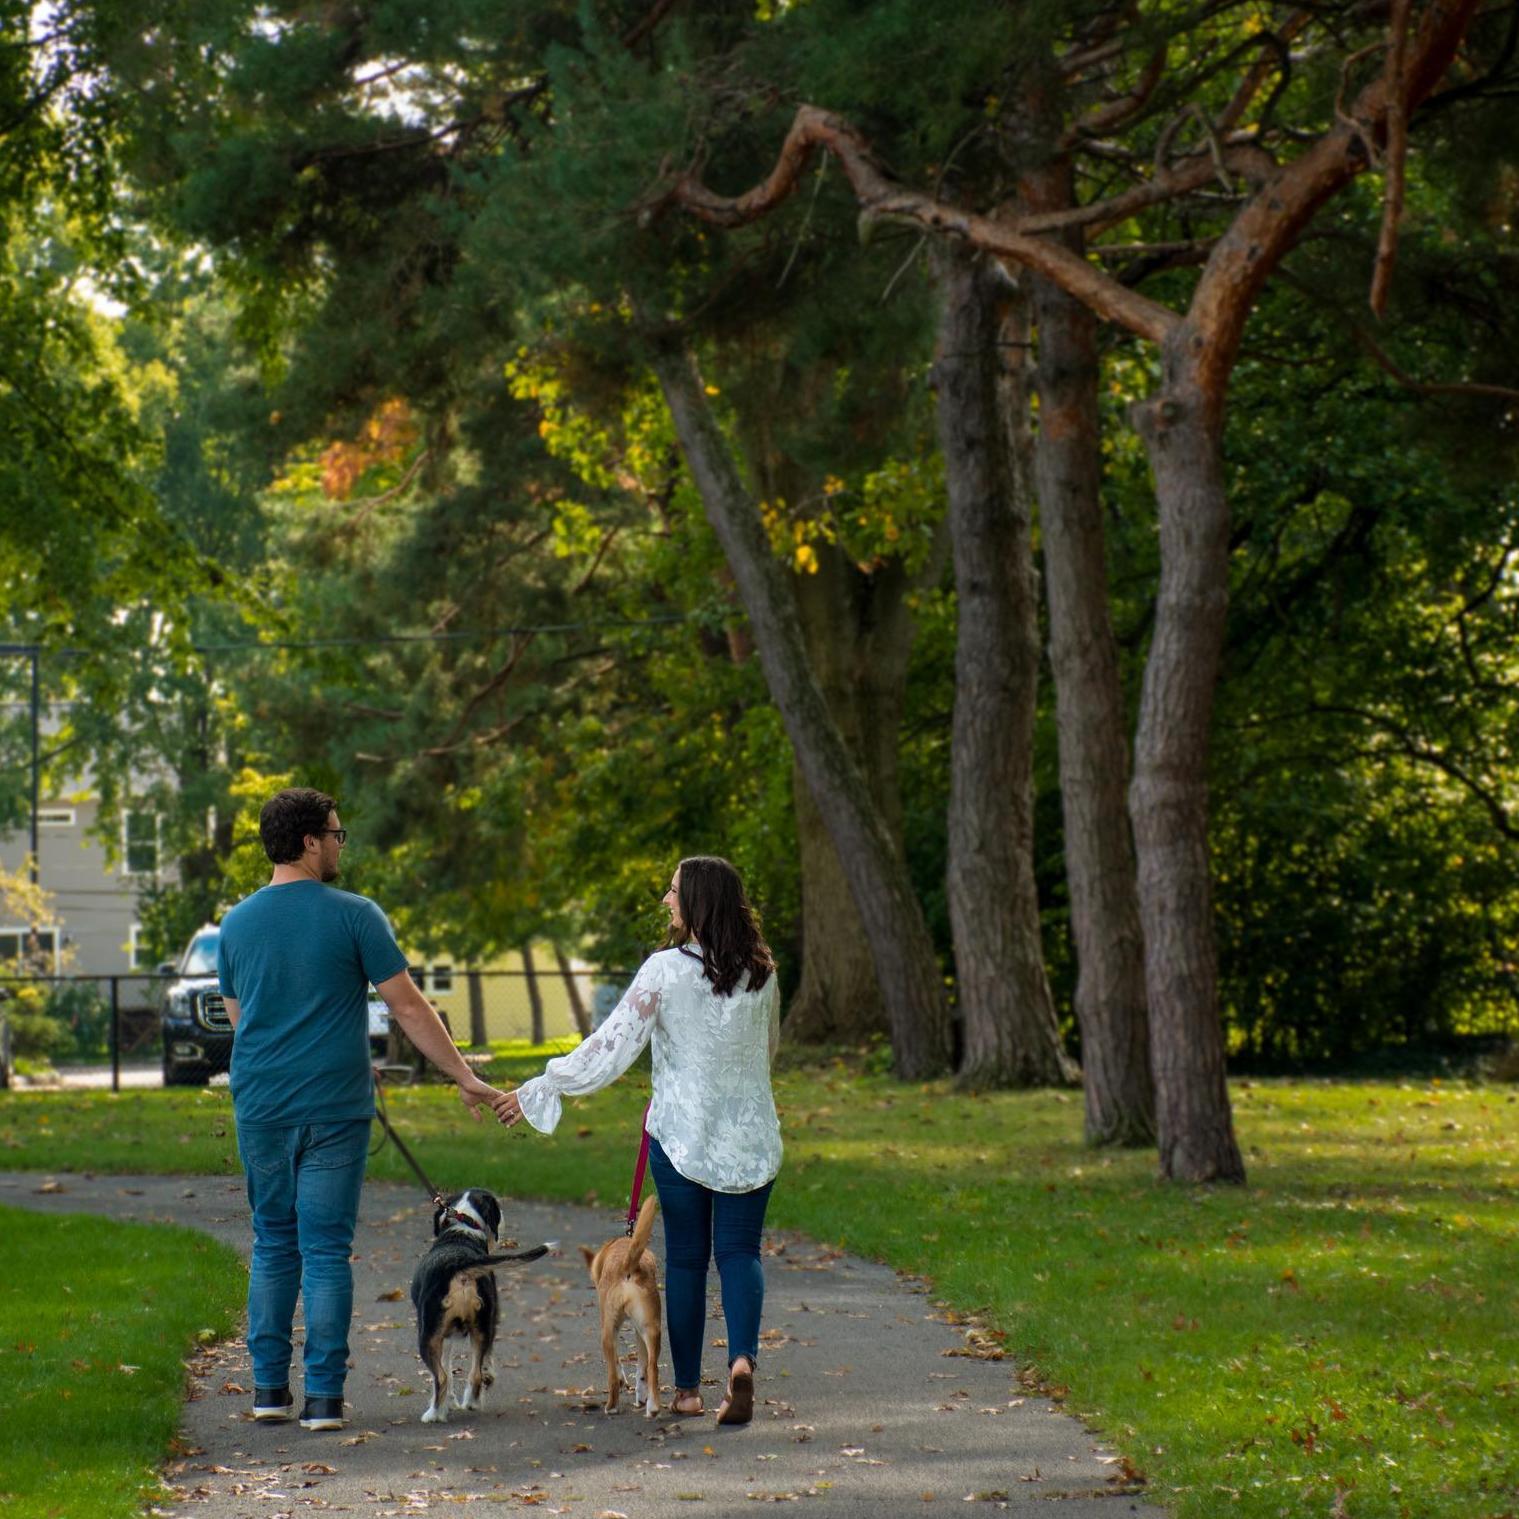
<point>717,914</point>
<point>287,817</point>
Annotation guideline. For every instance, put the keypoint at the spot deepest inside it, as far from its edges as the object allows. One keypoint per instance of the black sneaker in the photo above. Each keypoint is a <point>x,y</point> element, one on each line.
<point>273,1405</point>
<point>323,1413</point>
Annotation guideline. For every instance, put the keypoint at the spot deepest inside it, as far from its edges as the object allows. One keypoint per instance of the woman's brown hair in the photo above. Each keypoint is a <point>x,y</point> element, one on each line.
<point>716,913</point>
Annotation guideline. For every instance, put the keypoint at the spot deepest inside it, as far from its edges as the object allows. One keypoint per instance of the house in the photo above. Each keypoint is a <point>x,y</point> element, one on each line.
<point>95,898</point>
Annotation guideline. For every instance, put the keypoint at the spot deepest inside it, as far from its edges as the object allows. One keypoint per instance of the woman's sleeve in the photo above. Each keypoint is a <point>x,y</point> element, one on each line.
<point>775,1014</point>
<point>600,1060</point>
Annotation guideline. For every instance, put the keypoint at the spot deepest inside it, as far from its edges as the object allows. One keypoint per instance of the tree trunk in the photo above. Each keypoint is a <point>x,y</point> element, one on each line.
<point>1168,800</point>
<point>572,991</point>
<point>1011,1035</point>
<point>477,1035</point>
<point>859,634</point>
<point>1094,752</point>
<point>534,996</point>
<point>906,967</point>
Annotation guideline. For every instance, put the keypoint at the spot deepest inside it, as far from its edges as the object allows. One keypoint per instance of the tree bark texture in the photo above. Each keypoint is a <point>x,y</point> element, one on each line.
<point>907,970</point>
<point>478,1038</point>
<point>1094,751</point>
<point>1168,800</point>
<point>858,633</point>
<point>534,996</point>
<point>1182,427</point>
<point>1011,1034</point>
<point>572,991</point>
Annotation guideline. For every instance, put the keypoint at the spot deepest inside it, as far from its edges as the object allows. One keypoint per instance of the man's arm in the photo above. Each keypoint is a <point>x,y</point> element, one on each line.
<point>234,1012</point>
<point>421,1024</point>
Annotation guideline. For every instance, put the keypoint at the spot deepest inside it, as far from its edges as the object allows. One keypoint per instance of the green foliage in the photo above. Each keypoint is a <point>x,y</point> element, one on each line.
<point>401,405</point>
<point>36,1034</point>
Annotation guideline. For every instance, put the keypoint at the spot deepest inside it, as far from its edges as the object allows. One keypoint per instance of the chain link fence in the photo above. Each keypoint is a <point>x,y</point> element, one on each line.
<point>152,1028</point>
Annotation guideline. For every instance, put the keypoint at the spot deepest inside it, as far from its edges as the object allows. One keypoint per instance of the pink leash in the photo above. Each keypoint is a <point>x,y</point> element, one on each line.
<point>638,1170</point>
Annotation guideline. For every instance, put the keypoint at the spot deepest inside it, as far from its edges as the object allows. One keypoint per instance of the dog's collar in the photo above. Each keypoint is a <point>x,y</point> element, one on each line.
<point>453,1219</point>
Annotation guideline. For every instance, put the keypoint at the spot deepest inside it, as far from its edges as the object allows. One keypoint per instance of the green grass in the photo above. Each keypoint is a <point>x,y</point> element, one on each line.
<point>96,1319</point>
<point>1341,1331</point>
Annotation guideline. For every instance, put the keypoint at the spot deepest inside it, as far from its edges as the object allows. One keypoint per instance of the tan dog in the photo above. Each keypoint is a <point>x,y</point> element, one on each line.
<point>628,1288</point>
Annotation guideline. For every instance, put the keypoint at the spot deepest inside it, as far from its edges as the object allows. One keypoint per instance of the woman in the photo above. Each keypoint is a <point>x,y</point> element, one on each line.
<point>709,1002</point>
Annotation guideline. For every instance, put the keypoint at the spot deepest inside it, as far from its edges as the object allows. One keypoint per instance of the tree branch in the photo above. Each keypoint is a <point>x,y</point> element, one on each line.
<point>1279,58</point>
<point>1396,158</point>
<point>1260,236</point>
<point>1105,117</point>
<point>1430,387</point>
<point>1409,745</point>
<point>882,199</point>
<point>657,13</point>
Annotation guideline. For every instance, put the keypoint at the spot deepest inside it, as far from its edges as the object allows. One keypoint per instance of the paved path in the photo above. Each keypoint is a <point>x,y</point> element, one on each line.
<point>863,1413</point>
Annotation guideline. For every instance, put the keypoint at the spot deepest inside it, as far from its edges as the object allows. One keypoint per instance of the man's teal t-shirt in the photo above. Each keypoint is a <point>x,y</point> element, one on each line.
<point>299,959</point>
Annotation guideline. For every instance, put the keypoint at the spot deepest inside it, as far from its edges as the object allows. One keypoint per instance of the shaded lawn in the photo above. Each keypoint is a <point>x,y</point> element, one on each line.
<point>1339,1331</point>
<point>96,1319</point>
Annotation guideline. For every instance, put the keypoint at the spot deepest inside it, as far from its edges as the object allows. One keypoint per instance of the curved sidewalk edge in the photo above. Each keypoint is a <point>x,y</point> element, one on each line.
<point>865,1402</point>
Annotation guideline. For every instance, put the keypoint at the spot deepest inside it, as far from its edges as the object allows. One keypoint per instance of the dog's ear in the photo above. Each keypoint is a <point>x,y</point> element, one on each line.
<point>489,1209</point>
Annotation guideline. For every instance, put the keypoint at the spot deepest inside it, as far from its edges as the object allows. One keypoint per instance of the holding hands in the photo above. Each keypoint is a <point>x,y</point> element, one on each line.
<point>508,1109</point>
<point>475,1094</point>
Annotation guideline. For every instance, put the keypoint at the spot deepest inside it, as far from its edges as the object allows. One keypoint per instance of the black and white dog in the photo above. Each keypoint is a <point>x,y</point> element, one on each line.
<point>454,1292</point>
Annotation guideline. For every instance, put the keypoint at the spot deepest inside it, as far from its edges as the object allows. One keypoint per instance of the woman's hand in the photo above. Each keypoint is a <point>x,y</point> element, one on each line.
<point>508,1109</point>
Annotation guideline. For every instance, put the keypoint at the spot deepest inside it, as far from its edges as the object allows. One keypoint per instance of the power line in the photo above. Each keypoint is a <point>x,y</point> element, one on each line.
<point>460,635</point>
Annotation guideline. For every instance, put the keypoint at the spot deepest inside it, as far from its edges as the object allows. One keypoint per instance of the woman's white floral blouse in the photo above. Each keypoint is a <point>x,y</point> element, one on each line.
<point>712,1111</point>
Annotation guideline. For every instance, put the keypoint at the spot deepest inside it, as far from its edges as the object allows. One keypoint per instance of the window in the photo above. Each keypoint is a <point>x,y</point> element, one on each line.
<point>135,947</point>
<point>55,817</point>
<point>29,952</point>
<point>139,844</point>
<point>441,982</point>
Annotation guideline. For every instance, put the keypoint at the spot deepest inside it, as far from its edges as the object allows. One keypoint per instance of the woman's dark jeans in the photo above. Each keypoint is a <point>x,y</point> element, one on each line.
<point>701,1224</point>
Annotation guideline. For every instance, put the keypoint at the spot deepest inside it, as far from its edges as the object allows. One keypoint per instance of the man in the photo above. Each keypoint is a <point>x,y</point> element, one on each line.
<point>295,961</point>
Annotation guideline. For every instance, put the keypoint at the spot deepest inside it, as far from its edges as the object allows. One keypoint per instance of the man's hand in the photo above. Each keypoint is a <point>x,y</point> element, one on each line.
<point>508,1109</point>
<point>475,1094</point>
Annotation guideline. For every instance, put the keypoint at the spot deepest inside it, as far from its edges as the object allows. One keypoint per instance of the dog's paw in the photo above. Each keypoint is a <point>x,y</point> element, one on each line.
<point>432,1414</point>
<point>469,1401</point>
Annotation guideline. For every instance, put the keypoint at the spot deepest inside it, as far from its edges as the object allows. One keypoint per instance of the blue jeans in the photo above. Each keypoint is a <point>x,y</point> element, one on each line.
<point>303,1188</point>
<point>701,1224</point>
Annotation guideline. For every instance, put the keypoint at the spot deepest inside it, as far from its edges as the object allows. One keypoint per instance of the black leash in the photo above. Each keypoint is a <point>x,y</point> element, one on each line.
<point>383,1114</point>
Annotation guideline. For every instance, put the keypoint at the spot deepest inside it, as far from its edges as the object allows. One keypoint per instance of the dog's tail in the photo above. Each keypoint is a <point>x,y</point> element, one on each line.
<point>641,1232</point>
<point>514,1258</point>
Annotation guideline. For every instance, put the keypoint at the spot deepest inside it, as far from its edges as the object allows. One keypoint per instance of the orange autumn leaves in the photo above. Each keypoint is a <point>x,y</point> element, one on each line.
<point>385,438</point>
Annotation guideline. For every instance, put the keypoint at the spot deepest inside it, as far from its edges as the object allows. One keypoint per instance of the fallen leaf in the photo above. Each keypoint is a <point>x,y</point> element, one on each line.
<point>318,1468</point>
<point>393,1296</point>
